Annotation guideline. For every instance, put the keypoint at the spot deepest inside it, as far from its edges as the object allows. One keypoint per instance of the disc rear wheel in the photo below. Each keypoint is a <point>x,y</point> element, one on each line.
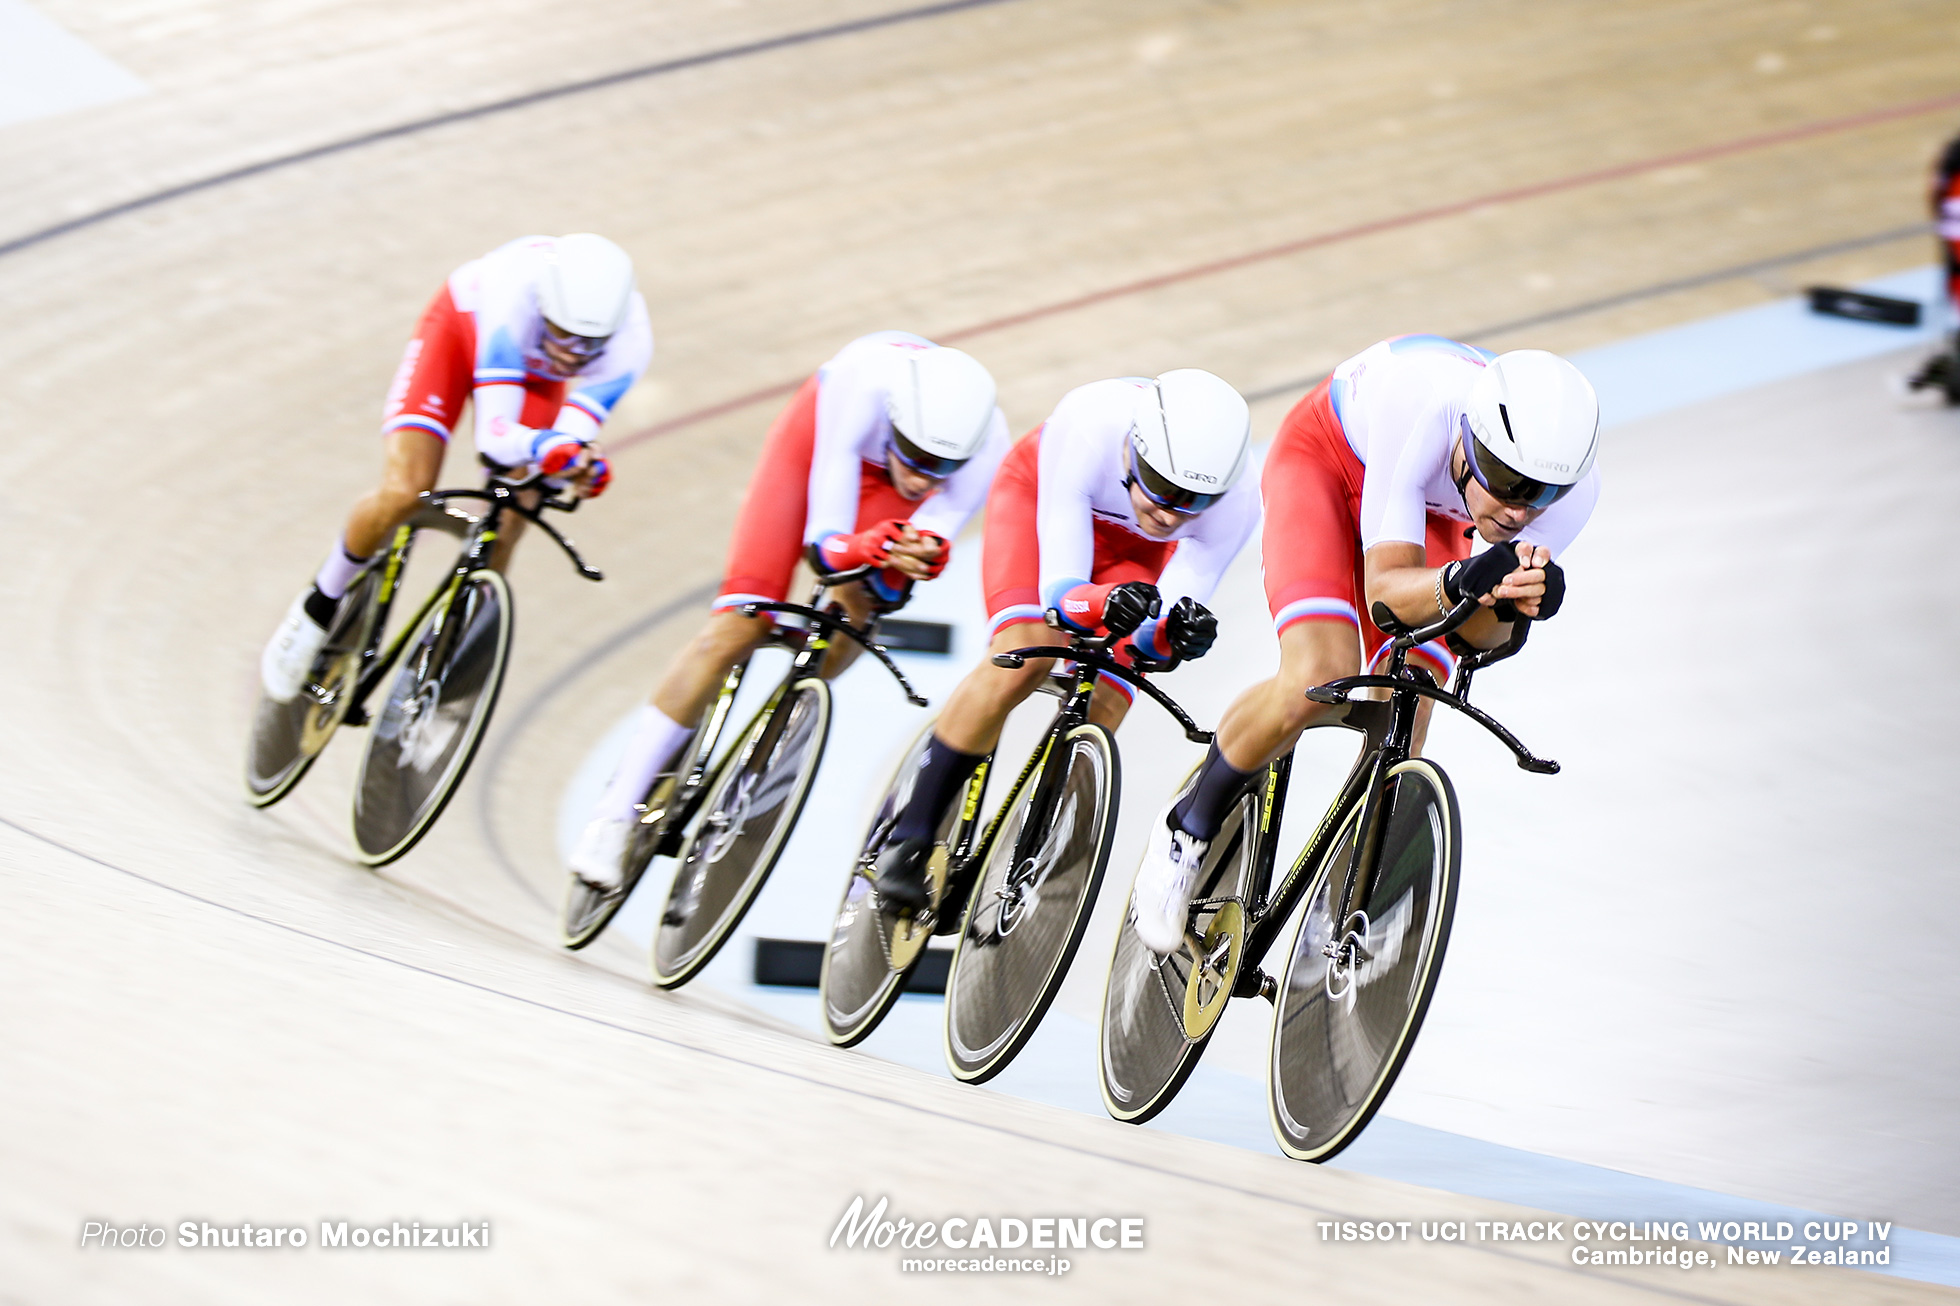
<point>1145,1051</point>
<point>860,979</point>
<point>1030,904</point>
<point>438,705</point>
<point>588,910</point>
<point>1359,982</point>
<point>286,737</point>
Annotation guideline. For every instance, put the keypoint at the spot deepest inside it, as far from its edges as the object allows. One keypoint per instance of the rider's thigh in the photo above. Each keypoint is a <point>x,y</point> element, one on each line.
<point>1109,706</point>
<point>857,606</point>
<point>979,704</point>
<point>1315,652</point>
<point>693,676</point>
<point>727,637</point>
<point>411,462</point>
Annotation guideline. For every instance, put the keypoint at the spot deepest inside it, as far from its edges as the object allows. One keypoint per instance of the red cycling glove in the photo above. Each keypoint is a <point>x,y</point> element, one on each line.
<point>868,548</point>
<point>937,563</point>
<point>560,456</point>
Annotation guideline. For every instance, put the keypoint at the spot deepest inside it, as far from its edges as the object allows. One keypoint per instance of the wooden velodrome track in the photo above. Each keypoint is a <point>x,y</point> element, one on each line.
<point>212,1014</point>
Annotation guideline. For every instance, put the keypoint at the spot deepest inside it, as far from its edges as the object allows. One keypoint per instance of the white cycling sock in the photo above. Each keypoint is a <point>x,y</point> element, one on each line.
<point>657,740</point>
<point>338,571</point>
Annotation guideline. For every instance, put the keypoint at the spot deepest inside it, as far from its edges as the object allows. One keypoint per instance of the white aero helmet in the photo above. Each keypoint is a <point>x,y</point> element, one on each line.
<point>1530,428</point>
<point>587,286</point>
<point>941,404</point>
<point>1190,439</point>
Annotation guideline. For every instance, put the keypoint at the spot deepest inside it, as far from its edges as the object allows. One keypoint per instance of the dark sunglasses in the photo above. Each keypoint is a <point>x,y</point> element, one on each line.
<point>583,348</point>
<point>1166,493</point>
<point>925,464</point>
<point>1505,482</point>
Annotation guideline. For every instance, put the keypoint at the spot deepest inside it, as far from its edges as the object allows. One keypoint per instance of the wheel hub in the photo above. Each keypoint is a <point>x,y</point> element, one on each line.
<point>1015,898</point>
<point>1345,957</point>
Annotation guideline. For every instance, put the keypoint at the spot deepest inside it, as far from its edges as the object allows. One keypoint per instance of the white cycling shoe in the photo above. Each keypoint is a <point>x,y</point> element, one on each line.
<point>288,658</point>
<point>1160,905</point>
<point>600,849</point>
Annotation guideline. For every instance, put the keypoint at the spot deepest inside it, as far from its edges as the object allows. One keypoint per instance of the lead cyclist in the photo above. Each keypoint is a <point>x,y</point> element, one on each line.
<point>543,335</point>
<point>1374,487</point>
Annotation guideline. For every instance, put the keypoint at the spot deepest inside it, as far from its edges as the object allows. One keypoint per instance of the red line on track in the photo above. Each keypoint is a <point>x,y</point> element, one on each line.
<point>1573,181</point>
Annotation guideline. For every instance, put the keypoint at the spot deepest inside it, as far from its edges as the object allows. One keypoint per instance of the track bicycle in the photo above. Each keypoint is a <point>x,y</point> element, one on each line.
<point>746,797</point>
<point>1018,893</point>
<point>1379,880</point>
<point>448,662</point>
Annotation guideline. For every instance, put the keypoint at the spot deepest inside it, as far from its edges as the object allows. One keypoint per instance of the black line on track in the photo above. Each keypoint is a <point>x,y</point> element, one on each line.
<point>556,685</point>
<point>814,1082</point>
<point>766,45</point>
<point>1625,297</point>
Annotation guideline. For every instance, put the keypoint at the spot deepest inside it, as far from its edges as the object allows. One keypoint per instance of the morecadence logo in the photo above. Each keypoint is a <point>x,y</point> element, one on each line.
<point>980,1238</point>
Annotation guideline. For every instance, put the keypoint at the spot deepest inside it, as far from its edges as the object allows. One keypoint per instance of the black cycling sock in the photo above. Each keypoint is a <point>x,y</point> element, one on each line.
<point>319,608</point>
<point>943,771</point>
<point>1202,811</point>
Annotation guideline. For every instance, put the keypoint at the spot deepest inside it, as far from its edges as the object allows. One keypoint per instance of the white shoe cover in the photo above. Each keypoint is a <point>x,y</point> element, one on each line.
<point>600,849</point>
<point>1161,902</point>
<point>288,658</point>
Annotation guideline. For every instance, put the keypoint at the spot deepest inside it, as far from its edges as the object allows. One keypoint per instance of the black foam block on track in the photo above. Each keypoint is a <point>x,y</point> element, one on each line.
<point>916,636</point>
<point>1861,307</point>
<point>798,964</point>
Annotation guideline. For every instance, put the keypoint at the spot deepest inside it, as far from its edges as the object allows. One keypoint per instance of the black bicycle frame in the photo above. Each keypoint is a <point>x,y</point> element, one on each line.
<point>1086,656</point>
<point>479,536</point>
<point>808,653</point>
<point>1389,728</point>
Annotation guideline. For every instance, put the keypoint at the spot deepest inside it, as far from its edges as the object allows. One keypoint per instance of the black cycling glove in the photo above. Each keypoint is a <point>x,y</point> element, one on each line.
<point>1481,574</point>
<point>1128,606</point>
<point>1190,629</point>
<point>1554,592</point>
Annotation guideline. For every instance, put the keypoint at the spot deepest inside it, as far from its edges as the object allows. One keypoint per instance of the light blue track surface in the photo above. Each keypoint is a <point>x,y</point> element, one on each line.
<point>1684,365</point>
<point>1637,378</point>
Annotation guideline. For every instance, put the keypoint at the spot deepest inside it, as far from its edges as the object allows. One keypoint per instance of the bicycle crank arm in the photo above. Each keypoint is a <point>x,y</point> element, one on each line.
<point>1256,983</point>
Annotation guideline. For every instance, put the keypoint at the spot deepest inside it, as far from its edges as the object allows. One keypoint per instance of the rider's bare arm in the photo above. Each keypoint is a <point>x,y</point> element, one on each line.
<point>1394,574</point>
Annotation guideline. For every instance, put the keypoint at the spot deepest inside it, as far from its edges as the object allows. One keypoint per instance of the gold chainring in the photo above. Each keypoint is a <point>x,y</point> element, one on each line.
<point>1214,970</point>
<point>910,932</point>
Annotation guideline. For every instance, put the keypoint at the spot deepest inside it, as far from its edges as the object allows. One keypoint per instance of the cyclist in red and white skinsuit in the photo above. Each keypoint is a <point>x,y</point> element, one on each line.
<point>1127,503</point>
<point>1943,368</point>
<point>880,458</point>
<point>1373,487</point>
<point>543,335</point>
